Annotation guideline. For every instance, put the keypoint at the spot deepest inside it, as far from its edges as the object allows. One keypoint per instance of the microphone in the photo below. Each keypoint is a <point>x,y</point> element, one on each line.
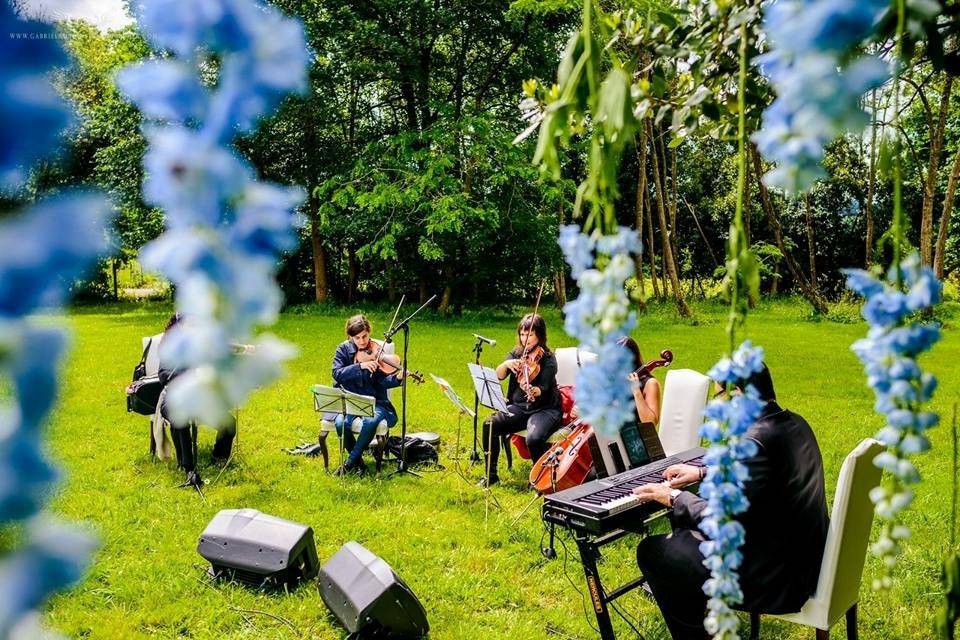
<point>490,342</point>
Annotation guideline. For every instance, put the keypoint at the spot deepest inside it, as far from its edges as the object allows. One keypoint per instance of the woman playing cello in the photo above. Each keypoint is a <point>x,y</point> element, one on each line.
<point>533,400</point>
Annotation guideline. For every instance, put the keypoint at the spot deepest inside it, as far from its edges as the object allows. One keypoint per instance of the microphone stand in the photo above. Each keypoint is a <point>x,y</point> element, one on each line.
<point>387,337</point>
<point>475,457</point>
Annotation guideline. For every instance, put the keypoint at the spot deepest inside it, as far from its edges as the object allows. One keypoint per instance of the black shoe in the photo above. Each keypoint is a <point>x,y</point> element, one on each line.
<point>488,482</point>
<point>220,461</point>
<point>193,480</point>
<point>346,469</point>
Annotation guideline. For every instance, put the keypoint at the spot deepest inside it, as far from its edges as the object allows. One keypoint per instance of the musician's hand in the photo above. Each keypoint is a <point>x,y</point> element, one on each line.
<point>513,365</point>
<point>370,365</point>
<point>655,492</point>
<point>632,377</point>
<point>535,392</point>
<point>680,475</point>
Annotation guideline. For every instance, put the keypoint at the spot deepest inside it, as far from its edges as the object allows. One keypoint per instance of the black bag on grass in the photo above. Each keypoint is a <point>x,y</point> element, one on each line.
<point>143,392</point>
<point>418,451</point>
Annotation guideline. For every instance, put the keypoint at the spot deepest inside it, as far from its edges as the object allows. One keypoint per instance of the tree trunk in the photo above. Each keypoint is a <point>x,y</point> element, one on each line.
<point>116,287</point>
<point>320,285</point>
<point>746,209</point>
<point>930,184</point>
<point>871,180</point>
<point>651,245</point>
<point>560,288</point>
<point>945,216</point>
<point>669,263</point>
<point>809,292</point>
<point>641,149</point>
<point>775,281</point>
<point>811,248</point>
<point>351,274</point>
<point>447,297</point>
<point>423,288</point>
<point>560,276</point>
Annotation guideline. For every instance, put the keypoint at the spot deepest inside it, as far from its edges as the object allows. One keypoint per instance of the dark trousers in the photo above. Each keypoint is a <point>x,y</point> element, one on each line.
<point>539,426</point>
<point>673,566</point>
<point>185,442</point>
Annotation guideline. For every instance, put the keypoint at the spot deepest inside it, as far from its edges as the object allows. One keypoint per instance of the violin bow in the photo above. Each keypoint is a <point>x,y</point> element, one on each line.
<point>536,307</point>
<point>390,328</point>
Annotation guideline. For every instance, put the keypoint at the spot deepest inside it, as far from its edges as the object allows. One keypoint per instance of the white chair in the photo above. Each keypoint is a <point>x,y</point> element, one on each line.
<point>569,360</point>
<point>844,554</point>
<point>681,412</point>
<point>150,345</point>
<point>379,444</point>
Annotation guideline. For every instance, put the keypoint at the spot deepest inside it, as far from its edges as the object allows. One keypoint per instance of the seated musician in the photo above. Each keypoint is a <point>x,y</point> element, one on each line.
<point>645,388</point>
<point>533,400</point>
<point>183,434</point>
<point>366,378</point>
<point>785,525</point>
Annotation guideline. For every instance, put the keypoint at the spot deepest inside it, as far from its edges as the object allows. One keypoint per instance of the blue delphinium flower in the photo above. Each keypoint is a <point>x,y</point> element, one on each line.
<point>725,428</point>
<point>43,248</point>
<point>818,91</point>
<point>225,231</point>
<point>598,318</point>
<point>889,352</point>
<point>31,113</point>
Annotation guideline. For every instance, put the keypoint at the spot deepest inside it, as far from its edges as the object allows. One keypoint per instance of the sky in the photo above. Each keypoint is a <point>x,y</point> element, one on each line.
<point>105,14</point>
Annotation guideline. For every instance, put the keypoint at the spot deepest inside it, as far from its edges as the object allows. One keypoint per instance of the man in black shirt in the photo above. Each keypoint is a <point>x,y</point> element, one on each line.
<point>785,525</point>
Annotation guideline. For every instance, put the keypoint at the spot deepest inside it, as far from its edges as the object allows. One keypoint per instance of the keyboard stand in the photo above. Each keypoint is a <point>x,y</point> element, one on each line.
<point>589,547</point>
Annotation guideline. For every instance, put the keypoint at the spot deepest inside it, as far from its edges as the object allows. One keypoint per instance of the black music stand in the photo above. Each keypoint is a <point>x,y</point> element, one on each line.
<point>342,402</point>
<point>461,410</point>
<point>486,386</point>
<point>477,350</point>
<point>387,337</point>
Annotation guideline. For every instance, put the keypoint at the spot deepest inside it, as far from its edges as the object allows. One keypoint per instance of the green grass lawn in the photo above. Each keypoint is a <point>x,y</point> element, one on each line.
<point>477,574</point>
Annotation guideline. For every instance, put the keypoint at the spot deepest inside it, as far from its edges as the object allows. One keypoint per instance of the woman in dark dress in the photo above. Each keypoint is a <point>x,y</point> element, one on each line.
<point>533,400</point>
<point>184,434</point>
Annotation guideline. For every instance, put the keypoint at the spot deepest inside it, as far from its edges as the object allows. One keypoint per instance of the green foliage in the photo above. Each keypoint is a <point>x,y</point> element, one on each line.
<point>107,147</point>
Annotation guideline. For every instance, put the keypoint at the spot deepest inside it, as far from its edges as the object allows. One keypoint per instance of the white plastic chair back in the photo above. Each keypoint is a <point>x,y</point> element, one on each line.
<point>681,414</point>
<point>569,360</point>
<point>153,355</point>
<point>845,551</point>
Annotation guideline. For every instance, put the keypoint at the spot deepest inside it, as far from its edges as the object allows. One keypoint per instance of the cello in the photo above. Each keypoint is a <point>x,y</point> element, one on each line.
<point>568,461</point>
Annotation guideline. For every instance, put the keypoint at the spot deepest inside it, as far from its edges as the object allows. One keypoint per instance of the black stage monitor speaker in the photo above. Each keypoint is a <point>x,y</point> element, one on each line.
<point>368,598</point>
<point>257,549</point>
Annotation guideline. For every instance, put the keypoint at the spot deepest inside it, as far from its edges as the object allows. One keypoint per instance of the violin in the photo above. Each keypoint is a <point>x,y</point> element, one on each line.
<point>387,363</point>
<point>568,462</point>
<point>528,370</point>
<point>645,370</point>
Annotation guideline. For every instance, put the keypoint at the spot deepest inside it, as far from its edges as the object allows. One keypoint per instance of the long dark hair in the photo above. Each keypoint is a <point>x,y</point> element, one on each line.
<point>173,321</point>
<point>634,348</point>
<point>533,322</point>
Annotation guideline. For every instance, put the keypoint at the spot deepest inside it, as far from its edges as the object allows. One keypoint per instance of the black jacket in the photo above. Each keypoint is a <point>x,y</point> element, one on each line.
<point>352,377</point>
<point>786,523</point>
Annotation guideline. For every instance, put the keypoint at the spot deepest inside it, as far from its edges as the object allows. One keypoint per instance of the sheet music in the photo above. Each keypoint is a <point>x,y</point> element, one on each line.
<point>452,395</point>
<point>487,385</point>
<point>336,400</point>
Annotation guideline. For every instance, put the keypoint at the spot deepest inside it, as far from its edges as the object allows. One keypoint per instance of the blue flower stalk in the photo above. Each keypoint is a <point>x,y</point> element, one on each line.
<point>42,248</point>
<point>819,82</point>
<point>897,337</point>
<point>725,428</point>
<point>225,230</point>
<point>598,318</point>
